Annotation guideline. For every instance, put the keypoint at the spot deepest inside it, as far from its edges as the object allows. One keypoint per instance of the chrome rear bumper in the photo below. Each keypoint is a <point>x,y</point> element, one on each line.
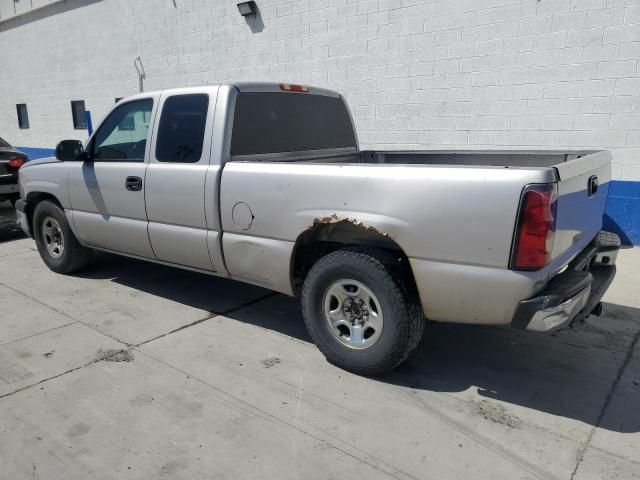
<point>574,293</point>
<point>555,317</point>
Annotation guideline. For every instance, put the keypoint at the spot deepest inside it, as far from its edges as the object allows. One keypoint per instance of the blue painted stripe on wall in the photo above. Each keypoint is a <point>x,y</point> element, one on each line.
<point>35,153</point>
<point>622,214</point>
<point>624,188</point>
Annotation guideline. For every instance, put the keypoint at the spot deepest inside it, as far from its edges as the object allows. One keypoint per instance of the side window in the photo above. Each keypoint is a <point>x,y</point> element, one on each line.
<point>181,128</point>
<point>123,135</point>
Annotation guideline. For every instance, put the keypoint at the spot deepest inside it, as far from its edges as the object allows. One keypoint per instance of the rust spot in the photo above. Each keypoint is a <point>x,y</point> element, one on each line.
<point>334,218</point>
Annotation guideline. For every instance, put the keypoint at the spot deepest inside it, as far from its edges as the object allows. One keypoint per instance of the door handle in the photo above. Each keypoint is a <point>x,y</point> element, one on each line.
<point>592,185</point>
<point>133,183</point>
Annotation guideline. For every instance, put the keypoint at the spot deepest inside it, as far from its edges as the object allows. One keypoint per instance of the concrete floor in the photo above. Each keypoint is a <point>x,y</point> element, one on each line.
<point>221,381</point>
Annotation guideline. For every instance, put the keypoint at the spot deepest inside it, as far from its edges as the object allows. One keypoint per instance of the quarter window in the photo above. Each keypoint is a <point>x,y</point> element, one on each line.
<point>23,115</point>
<point>181,128</point>
<point>78,114</point>
<point>123,135</point>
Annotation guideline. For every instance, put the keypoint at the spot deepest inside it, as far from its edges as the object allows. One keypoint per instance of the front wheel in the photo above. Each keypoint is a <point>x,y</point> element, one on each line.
<point>360,313</point>
<point>57,245</point>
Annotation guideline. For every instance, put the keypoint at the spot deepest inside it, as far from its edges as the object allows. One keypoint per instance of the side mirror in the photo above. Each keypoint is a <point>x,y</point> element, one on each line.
<point>70,150</point>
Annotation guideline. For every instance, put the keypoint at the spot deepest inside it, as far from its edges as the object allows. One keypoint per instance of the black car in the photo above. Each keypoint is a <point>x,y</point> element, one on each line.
<point>10,162</point>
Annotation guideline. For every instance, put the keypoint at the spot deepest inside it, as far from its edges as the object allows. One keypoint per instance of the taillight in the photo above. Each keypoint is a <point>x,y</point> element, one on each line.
<point>15,163</point>
<point>536,228</point>
<point>288,87</point>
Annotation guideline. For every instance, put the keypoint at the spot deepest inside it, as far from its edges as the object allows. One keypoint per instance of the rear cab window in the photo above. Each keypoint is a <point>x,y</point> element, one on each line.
<point>181,128</point>
<point>282,122</point>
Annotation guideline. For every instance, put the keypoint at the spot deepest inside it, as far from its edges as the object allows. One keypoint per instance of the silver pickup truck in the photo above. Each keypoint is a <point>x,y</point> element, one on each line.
<point>265,183</point>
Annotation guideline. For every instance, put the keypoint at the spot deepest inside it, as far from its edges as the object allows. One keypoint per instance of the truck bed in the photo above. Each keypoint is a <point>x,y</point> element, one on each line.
<point>477,158</point>
<point>579,212</point>
<point>494,158</point>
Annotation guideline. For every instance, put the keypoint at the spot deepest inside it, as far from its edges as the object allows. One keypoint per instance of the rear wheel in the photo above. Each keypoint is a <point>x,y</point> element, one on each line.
<point>360,312</point>
<point>57,245</point>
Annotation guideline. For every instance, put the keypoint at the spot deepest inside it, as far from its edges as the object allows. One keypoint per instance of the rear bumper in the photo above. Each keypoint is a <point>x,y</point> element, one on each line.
<point>9,189</point>
<point>574,293</point>
<point>21,217</point>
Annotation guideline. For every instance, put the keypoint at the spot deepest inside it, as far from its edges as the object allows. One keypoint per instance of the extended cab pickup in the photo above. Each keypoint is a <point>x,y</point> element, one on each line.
<point>265,183</point>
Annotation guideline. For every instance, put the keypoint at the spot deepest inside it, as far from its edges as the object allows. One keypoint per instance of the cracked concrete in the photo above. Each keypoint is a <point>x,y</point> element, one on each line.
<point>603,411</point>
<point>206,398</point>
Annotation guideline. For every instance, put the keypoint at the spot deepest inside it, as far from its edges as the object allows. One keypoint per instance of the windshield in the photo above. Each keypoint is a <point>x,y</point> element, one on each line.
<point>4,144</point>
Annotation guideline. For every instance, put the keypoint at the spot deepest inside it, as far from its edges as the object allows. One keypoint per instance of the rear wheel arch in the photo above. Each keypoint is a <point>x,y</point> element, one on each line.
<point>325,238</point>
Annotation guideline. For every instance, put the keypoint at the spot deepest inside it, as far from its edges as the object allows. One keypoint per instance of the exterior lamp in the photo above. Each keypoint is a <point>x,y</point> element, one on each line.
<point>247,8</point>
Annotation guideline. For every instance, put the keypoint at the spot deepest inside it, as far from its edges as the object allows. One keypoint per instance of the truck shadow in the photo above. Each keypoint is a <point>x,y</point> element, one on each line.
<point>568,373</point>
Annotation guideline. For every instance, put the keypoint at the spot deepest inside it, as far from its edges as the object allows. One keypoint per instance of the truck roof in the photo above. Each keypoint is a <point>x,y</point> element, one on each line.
<point>242,87</point>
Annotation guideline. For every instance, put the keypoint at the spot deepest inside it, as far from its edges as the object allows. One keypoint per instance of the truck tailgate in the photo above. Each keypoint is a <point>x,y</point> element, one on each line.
<point>583,185</point>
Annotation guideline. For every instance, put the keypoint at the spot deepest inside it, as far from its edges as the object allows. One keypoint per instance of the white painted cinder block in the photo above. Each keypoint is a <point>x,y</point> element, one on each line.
<point>417,74</point>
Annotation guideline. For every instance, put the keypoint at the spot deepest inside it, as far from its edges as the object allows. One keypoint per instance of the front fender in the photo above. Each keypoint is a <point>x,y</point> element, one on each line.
<point>48,178</point>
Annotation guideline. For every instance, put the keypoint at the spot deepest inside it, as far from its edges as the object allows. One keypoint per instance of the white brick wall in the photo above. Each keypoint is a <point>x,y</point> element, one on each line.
<point>417,74</point>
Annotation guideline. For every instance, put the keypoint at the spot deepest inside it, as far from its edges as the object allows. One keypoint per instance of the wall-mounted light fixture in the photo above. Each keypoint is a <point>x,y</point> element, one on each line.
<point>247,8</point>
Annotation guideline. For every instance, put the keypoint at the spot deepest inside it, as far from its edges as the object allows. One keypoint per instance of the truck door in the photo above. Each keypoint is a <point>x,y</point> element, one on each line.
<point>106,192</point>
<point>179,161</point>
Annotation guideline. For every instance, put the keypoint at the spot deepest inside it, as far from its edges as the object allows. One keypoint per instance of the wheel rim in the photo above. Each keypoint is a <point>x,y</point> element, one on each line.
<point>52,237</point>
<point>353,313</point>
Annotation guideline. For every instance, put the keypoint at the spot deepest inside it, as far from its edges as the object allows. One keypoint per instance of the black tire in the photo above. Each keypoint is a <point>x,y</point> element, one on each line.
<point>74,256</point>
<point>404,321</point>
